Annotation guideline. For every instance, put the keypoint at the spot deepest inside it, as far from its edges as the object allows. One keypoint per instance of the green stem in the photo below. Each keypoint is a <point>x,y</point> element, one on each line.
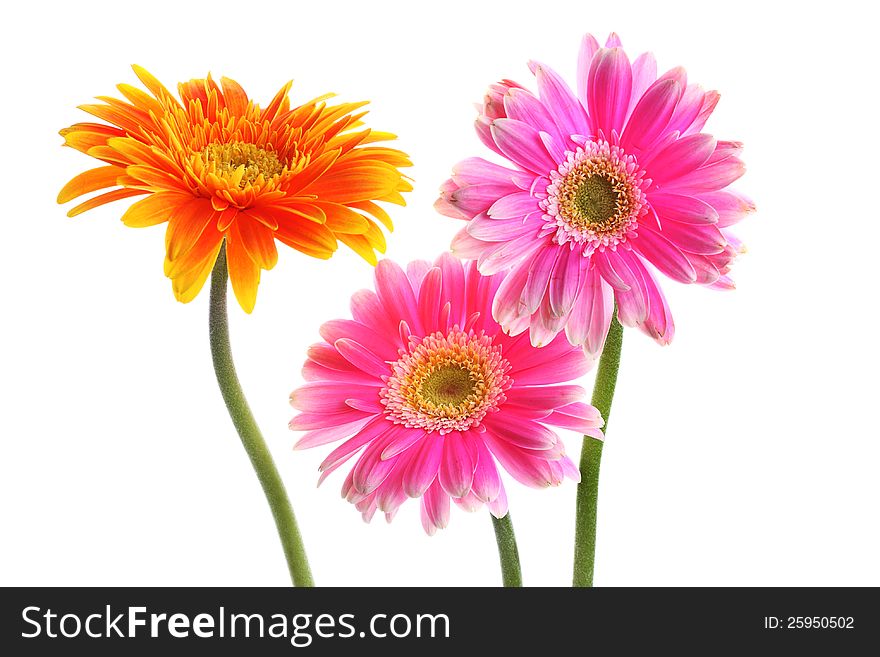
<point>591,456</point>
<point>511,575</point>
<point>247,428</point>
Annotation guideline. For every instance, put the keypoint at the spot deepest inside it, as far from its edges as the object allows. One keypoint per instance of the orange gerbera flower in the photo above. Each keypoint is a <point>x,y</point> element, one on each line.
<point>216,166</point>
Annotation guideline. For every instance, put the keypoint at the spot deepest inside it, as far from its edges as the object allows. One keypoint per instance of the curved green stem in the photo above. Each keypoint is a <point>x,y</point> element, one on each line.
<point>591,456</point>
<point>247,428</point>
<point>511,575</point>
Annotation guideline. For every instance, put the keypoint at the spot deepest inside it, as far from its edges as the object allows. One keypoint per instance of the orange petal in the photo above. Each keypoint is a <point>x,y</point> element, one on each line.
<point>306,211</point>
<point>156,178</point>
<point>186,225</point>
<point>341,219</point>
<point>244,273</point>
<point>375,210</point>
<point>208,243</point>
<point>360,184</point>
<point>235,97</point>
<point>155,87</point>
<point>360,245</point>
<point>83,136</point>
<point>257,240</point>
<point>279,103</point>
<point>137,152</point>
<point>109,197</point>
<point>187,286</point>
<point>90,181</point>
<point>153,210</point>
<point>313,171</point>
<point>314,239</point>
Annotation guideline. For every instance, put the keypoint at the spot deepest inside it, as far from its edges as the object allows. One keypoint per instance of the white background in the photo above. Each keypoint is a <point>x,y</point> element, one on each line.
<point>746,453</point>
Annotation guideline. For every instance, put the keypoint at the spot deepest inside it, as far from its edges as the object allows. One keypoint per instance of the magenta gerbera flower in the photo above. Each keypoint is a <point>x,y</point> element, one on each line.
<point>432,393</point>
<point>606,186</point>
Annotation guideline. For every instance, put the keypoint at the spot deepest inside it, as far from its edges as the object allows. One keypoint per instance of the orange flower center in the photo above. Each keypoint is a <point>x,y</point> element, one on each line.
<point>243,164</point>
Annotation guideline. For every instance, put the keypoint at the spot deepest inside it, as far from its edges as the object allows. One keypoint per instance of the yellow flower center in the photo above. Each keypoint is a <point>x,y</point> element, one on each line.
<point>447,385</point>
<point>595,196</point>
<point>242,163</point>
<point>446,382</point>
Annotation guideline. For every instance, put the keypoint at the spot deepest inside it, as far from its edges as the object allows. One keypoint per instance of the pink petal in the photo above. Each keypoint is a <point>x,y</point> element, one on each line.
<point>651,115</point>
<point>684,209</point>
<point>501,256</point>
<point>605,266</point>
<point>401,441</point>
<point>589,47</point>
<point>566,281</point>
<point>568,113</point>
<point>539,276</point>
<point>688,109</point>
<point>366,309</point>
<point>362,358</point>
<point>591,315</point>
<point>710,177</point>
<point>373,429</point>
<point>644,70</point>
<point>370,470</point>
<point>502,230</point>
<point>396,293</point>
<point>731,206</point>
<point>379,344</point>
<point>609,89</point>
<point>522,144</point>
<point>522,105</point>
<point>580,417</point>
<point>544,325</point>
<point>522,464</point>
<point>307,421</point>
<point>574,365</point>
<point>545,397</point>
<point>664,255</point>
<point>703,239</point>
<point>484,131</point>
<point>327,396</point>
<point>423,465</point>
<point>498,506</point>
<point>710,100</point>
<point>477,171</point>
<point>416,271</point>
<point>457,464</point>
<point>680,158</point>
<point>508,304</point>
<point>487,484</point>
<point>514,206</point>
<point>527,435</point>
<point>632,303</point>
<point>466,247</point>
<point>435,509</point>
<point>329,434</point>
<point>429,299</point>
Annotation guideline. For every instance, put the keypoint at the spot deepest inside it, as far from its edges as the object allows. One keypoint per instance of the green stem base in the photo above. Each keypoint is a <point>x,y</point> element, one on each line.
<point>591,457</point>
<point>511,574</point>
<point>246,425</point>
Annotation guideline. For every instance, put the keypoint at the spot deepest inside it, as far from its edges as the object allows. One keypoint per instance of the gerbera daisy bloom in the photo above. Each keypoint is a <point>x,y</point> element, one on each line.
<point>607,185</point>
<point>432,393</point>
<point>216,166</point>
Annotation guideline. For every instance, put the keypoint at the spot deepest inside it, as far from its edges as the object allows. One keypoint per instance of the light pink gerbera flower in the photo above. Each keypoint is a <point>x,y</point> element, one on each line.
<point>607,185</point>
<point>435,394</point>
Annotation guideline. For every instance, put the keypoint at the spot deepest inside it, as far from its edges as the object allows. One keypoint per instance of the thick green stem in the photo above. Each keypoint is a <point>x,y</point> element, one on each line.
<point>511,575</point>
<point>591,456</point>
<point>247,428</point>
